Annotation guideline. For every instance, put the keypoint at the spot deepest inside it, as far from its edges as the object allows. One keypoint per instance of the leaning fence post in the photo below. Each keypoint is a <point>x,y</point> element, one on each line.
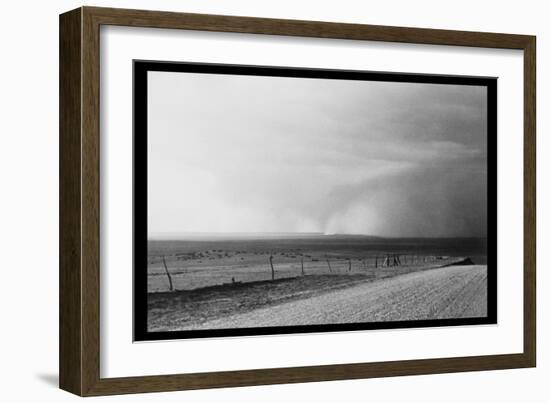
<point>396,261</point>
<point>272,269</point>
<point>168,274</point>
<point>329,268</point>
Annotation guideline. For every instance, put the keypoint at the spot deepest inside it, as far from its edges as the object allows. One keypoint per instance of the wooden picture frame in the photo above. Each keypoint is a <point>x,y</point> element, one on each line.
<point>79,348</point>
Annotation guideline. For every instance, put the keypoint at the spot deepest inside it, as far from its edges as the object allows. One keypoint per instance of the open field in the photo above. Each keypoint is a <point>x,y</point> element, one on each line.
<point>445,292</point>
<point>208,282</point>
<point>204,262</point>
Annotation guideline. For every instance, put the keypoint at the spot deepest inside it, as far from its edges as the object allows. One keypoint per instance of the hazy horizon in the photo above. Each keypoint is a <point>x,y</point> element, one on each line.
<point>176,236</point>
<point>246,154</point>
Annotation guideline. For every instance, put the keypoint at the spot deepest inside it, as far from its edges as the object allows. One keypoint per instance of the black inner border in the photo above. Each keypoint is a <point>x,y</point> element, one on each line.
<point>140,70</point>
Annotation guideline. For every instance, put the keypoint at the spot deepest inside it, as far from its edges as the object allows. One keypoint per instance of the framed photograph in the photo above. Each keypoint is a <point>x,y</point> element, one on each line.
<point>257,191</point>
<point>251,201</point>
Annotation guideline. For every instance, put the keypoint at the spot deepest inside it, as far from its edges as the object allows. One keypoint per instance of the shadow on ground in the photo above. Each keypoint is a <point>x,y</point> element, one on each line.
<point>49,379</point>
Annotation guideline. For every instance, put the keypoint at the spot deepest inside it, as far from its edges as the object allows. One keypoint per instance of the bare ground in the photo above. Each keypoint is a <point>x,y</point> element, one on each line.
<point>447,292</point>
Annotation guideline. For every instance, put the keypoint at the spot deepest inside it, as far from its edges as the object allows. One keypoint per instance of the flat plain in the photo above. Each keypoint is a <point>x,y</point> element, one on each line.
<point>205,283</point>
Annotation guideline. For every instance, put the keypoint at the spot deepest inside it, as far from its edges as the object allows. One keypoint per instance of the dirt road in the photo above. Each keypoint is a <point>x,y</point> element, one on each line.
<point>449,292</point>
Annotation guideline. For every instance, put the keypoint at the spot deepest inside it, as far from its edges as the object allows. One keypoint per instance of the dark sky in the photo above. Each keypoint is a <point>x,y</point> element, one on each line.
<point>265,154</point>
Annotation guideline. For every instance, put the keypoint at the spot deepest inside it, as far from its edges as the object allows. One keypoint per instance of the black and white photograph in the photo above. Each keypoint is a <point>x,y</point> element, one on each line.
<point>274,200</point>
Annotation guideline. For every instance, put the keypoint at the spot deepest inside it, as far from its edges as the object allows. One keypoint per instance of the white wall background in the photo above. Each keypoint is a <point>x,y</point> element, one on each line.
<point>29,202</point>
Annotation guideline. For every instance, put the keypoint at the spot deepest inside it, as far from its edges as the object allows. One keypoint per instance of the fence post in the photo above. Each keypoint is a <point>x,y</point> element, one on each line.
<point>168,274</point>
<point>272,269</point>
<point>329,268</point>
<point>396,261</point>
<point>302,265</point>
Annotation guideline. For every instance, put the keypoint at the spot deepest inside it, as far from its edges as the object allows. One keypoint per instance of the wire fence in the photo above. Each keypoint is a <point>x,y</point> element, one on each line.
<point>186,271</point>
